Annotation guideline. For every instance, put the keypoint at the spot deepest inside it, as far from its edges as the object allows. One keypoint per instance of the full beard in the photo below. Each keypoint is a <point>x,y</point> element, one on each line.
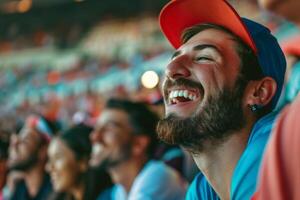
<point>123,155</point>
<point>212,124</point>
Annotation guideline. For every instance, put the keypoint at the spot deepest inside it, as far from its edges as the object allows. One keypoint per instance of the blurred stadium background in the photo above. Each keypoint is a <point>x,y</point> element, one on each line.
<point>63,58</point>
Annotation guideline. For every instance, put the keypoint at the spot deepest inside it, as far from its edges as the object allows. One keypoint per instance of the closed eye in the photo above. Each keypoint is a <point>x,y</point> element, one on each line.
<point>203,58</point>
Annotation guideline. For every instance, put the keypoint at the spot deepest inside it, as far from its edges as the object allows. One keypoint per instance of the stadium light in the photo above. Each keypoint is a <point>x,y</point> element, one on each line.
<point>150,79</point>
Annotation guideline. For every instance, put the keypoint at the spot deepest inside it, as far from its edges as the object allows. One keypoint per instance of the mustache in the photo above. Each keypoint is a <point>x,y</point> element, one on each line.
<point>183,83</point>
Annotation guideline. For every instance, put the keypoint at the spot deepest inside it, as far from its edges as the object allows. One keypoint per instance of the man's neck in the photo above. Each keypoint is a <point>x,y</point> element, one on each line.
<point>34,179</point>
<point>78,191</point>
<point>125,173</point>
<point>218,162</point>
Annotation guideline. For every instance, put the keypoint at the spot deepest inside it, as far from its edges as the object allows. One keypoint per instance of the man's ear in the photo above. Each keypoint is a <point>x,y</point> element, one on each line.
<point>140,144</point>
<point>261,91</point>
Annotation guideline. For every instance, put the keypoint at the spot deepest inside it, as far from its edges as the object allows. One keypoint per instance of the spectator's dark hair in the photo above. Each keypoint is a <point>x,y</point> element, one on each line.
<point>77,139</point>
<point>250,67</point>
<point>141,118</point>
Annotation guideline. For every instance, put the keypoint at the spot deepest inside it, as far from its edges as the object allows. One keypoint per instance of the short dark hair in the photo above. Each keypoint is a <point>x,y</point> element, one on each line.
<point>250,67</point>
<point>141,118</point>
<point>78,140</point>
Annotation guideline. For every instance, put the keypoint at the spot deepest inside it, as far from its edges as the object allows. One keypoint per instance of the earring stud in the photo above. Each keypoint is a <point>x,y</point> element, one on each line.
<point>254,108</point>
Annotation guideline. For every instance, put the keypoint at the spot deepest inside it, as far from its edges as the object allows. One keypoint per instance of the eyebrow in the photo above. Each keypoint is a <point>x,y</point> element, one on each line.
<point>197,48</point>
<point>115,123</point>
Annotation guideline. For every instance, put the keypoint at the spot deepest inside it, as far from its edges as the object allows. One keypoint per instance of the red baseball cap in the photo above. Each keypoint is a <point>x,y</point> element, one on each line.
<point>178,15</point>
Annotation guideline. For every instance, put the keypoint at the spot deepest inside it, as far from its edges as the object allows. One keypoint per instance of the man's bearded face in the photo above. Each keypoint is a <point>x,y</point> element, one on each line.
<point>213,121</point>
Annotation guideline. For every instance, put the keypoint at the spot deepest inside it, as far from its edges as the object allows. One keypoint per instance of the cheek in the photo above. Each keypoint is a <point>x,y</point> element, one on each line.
<point>118,148</point>
<point>209,78</point>
<point>24,151</point>
<point>109,140</point>
<point>66,172</point>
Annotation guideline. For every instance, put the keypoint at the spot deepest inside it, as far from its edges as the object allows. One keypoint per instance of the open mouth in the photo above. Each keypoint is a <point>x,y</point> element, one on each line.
<point>99,153</point>
<point>54,178</point>
<point>177,96</point>
<point>97,149</point>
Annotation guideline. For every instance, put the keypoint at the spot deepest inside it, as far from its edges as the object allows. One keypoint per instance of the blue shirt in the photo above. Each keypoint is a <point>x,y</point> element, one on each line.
<point>156,181</point>
<point>245,173</point>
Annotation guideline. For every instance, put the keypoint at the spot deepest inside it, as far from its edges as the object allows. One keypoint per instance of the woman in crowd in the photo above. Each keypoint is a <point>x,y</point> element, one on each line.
<point>69,154</point>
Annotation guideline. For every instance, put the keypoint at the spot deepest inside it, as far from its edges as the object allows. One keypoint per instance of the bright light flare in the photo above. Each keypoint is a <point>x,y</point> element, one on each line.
<point>150,79</point>
<point>24,5</point>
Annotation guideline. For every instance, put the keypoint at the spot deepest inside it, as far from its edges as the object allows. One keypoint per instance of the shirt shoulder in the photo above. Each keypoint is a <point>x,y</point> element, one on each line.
<point>105,194</point>
<point>201,190</point>
<point>244,177</point>
<point>20,191</point>
<point>158,181</point>
<point>262,127</point>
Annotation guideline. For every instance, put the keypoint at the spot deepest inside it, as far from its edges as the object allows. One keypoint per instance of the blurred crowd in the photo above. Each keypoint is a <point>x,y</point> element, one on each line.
<point>83,158</point>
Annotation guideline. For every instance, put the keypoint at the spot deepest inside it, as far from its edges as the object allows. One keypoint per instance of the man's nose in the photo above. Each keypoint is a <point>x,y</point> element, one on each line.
<point>96,136</point>
<point>178,68</point>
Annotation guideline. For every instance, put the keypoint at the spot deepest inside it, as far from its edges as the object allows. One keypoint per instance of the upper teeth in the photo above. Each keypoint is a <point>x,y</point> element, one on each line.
<point>97,148</point>
<point>182,93</point>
